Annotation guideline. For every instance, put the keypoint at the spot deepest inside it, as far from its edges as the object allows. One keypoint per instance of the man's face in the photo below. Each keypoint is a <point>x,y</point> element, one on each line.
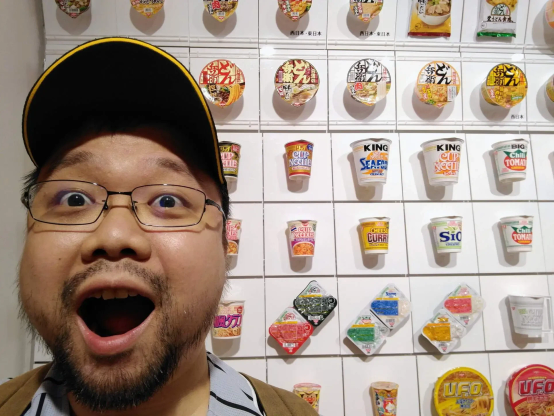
<point>115,301</point>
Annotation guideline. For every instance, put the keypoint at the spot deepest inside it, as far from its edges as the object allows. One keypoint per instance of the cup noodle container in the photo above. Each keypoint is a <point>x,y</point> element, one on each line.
<point>448,234</point>
<point>532,316</point>
<point>230,158</point>
<point>309,392</point>
<point>531,390</point>
<point>383,397</point>
<point>371,158</point>
<point>299,159</point>
<point>511,160</point>
<point>228,321</point>
<point>375,235</point>
<point>302,237</point>
<point>518,233</point>
<point>233,230</point>
<point>442,160</point>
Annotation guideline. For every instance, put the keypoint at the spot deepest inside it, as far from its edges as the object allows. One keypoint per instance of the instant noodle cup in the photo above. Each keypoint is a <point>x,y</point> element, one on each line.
<point>233,230</point>
<point>230,158</point>
<point>531,315</point>
<point>391,306</point>
<point>222,82</point>
<point>438,84</point>
<point>444,331</point>
<point>302,237</point>
<point>442,160</point>
<point>366,10</point>
<point>368,81</point>
<point>308,392</point>
<point>299,159</point>
<point>291,330</point>
<point>464,304</point>
<point>430,18</point>
<point>228,321</point>
<point>314,303</point>
<point>367,332</point>
<point>530,391</point>
<point>518,233</point>
<point>448,234</point>
<point>384,395</point>
<point>549,13</point>
<point>463,391</point>
<point>511,160</point>
<point>295,9</point>
<point>371,160</point>
<point>375,235</point>
<point>505,85</point>
<point>296,82</point>
<point>550,88</point>
<point>221,10</point>
<point>73,8</point>
<point>498,18</point>
<point>147,8</point>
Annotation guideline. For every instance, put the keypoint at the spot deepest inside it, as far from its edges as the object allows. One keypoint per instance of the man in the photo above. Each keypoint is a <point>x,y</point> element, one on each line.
<point>124,261</point>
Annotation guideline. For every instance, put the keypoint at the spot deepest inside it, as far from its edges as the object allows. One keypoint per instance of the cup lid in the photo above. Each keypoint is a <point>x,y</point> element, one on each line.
<point>367,219</point>
<point>448,139</point>
<point>517,217</point>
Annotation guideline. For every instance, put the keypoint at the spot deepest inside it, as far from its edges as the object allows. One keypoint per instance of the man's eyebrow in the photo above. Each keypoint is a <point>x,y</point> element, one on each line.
<point>173,165</point>
<point>76,158</point>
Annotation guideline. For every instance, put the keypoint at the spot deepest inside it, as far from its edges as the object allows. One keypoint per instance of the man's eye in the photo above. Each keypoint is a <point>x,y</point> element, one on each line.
<point>167,201</point>
<point>75,199</point>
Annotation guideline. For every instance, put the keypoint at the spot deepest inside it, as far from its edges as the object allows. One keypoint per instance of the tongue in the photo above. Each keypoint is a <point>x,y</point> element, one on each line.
<point>116,318</point>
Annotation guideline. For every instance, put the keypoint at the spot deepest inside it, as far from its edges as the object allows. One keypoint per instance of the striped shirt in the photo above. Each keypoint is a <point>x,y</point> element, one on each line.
<point>230,394</point>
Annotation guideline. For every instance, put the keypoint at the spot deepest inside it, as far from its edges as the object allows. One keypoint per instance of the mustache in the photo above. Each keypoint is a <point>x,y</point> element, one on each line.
<point>157,282</point>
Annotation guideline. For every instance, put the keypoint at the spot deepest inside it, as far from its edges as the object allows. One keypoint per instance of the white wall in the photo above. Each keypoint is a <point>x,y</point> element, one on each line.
<point>21,52</point>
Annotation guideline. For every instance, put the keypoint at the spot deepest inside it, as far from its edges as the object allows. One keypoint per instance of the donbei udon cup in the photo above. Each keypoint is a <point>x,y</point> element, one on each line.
<point>384,395</point>
<point>296,82</point>
<point>511,160</point>
<point>518,233</point>
<point>442,160</point>
<point>505,85</point>
<point>368,81</point>
<point>438,84</point>
<point>73,8</point>
<point>309,392</point>
<point>228,321</point>
<point>221,10</point>
<point>366,10</point>
<point>147,8</point>
<point>294,9</point>
<point>222,82</point>
<point>302,237</point>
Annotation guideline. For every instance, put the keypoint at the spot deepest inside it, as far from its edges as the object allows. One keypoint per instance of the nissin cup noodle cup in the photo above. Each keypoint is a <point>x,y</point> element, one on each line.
<point>375,235</point>
<point>511,160</point>
<point>518,233</point>
<point>230,157</point>
<point>371,158</point>
<point>299,159</point>
<point>448,234</point>
<point>442,160</point>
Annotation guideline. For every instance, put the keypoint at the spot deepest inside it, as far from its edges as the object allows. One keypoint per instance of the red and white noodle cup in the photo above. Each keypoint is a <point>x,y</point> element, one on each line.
<point>302,237</point>
<point>228,321</point>
<point>234,228</point>
<point>299,159</point>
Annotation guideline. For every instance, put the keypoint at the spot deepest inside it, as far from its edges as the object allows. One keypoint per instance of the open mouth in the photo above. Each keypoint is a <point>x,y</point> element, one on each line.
<point>108,312</point>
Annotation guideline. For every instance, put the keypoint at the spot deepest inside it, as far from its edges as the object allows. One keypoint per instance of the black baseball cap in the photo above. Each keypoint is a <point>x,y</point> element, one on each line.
<point>118,75</point>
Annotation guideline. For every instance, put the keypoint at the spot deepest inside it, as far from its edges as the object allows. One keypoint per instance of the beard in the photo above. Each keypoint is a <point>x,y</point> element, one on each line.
<point>126,380</point>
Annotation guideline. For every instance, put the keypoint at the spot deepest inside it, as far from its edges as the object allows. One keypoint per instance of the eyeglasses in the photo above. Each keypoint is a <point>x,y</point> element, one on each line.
<point>68,202</point>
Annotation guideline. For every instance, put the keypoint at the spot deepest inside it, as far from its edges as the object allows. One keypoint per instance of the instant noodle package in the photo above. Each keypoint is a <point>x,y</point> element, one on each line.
<point>308,392</point>
<point>444,331</point>
<point>368,81</point>
<point>147,8</point>
<point>384,396</point>
<point>73,8</point>
<point>391,306</point>
<point>463,391</point>
<point>438,84</point>
<point>295,9</point>
<point>464,304</point>
<point>506,86</point>
<point>431,18</point>
<point>366,10</point>
<point>314,303</point>
<point>367,332</point>
<point>291,330</point>
<point>497,18</point>
<point>221,10</point>
<point>228,321</point>
<point>296,82</point>
<point>222,82</point>
<point>530,391</point>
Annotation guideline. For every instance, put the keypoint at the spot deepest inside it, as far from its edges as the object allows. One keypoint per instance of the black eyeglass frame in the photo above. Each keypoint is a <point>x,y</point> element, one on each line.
<point>207,201</point>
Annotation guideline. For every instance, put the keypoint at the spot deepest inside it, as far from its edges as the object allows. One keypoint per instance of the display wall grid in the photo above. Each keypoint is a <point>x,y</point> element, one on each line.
<point>264,199</point>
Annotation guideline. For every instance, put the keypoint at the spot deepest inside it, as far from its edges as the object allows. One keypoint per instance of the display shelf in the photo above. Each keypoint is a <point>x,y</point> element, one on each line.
<point>249,261</point>
<point>540,108</point>
<point>542,146</point>
<point>539,35</point>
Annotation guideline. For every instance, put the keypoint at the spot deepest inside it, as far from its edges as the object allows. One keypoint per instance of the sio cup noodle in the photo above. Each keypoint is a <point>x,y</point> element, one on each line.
<point>230,157</point>
<point>233,229</point>
<point>511,159</point>
<point>371,158</point>
<point>299,159</point>
<point>448,234</point>
<point>228,321</point>
<point>518,233</point>
<point>442,160</point>
<point>308,392</point>
<point>375,235</point>
<point>384,395</point>
<point>302,237</point>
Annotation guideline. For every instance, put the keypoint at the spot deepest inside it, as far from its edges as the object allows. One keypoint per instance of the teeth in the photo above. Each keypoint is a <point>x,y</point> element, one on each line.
<point>132,293</point>
<point>108,294</point>
<point>97,295</point>
<point>113,293</point>
<point>121,293</point>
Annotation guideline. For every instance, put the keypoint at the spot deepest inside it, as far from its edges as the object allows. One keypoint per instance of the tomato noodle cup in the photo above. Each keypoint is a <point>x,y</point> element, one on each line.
<point>299,159</point>
<point>511,160</point>
<point>308,392</point>
<point>442,160</point>
<point>230,158</point>
<point>531,315</point>
<point>234,228</point>
<point>383,397</point>
<point>518,233</point>
<point>228,321</point>
<point>447,232</point>
<point>371,160</point>
<point>302,237</point>
<point>505,85</point>
<point>375,235</point>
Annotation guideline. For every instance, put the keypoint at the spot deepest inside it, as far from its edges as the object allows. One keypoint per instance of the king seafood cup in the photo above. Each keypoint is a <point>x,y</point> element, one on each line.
<point>228,321</point>
<point>447,232</point>
<point>230,158</point>
<point>308,392</point>
<point>233,230</point>
<point>384,395</point>
<point>518,233</point>
<point>511,160</point>
<point>442,160</point>
<point>375,235</point>
<point>302,237</point>
<point>299,159</point>
<point>371,159</point>
<point>531,315</point>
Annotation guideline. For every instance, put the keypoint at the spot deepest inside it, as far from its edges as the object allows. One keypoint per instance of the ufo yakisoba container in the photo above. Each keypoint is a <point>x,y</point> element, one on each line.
<point>222,82</point>
<point>221,10</point>
<point>296,82</point>
<point>368,81</point>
